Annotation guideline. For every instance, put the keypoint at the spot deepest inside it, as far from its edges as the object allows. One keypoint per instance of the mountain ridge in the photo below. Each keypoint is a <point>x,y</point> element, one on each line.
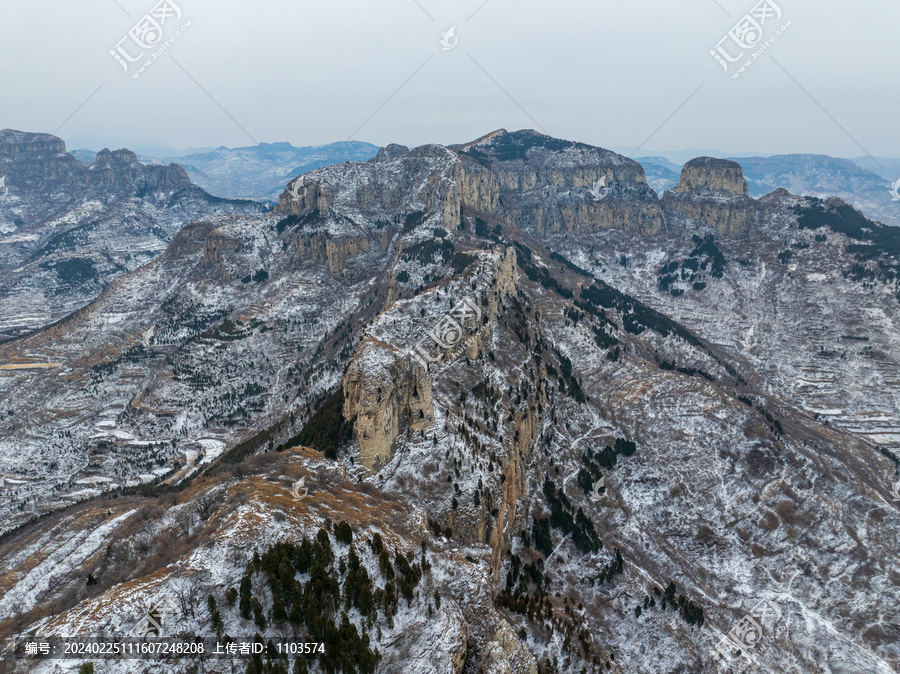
<point>67,229</point>
<point>631,418</point>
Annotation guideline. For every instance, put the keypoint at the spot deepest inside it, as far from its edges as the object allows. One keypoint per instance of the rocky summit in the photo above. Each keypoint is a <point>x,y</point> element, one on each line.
<point>491,407</point>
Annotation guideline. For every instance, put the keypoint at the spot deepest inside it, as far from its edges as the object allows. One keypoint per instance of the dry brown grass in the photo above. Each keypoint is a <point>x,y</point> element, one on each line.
<point>143,548</point>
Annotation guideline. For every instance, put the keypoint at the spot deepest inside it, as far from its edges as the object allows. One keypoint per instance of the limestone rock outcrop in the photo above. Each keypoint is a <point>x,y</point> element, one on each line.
<point>385,396</point>
<point>543,184</point>
<point>506,654</point>
<point>390,151</point>
<point>712,193</point>
<point>387,385</point>
<point>334,251</point>
<point>706,175</point>
<point>14,144</point>
<point>218,244</point>
<point>549,185</point>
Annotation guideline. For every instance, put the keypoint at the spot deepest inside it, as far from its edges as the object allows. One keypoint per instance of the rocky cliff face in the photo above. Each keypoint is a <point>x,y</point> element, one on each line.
<point>862,183</point>
<point>387,385</point>
<point>551,186</point>
<point>712,177</point>
<point>712,193</point>
<point>18,144</point>
<point>122,167</point>
<point>384,399</point>
<point>433,179</point>
<point>219,245</point>
<point>544,185</point>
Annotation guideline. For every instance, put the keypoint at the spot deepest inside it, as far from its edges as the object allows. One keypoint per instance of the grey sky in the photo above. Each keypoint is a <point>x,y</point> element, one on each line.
<point>603,72</point>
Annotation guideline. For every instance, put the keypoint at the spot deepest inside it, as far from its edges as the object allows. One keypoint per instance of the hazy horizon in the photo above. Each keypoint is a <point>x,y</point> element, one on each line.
<point>616,76</point>
<point>96,144</point>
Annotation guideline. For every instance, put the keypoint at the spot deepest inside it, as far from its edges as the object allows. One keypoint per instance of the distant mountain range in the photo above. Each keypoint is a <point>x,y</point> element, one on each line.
<point>886,167</point>
<point>255,172</point>
<point>260,172</point>
<point>662,174</point>
<point>860,182</point>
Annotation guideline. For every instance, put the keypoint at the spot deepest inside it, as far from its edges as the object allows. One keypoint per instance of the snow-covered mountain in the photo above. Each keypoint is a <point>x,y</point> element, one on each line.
<point>67,230</point>
<point>526,414</point>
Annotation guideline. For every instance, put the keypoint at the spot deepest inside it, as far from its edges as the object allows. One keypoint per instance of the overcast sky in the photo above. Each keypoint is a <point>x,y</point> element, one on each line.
<point>611,73</point>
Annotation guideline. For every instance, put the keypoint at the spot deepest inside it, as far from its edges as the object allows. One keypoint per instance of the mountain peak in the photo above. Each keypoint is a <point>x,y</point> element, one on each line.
<point>482,139</point>
<point>15,143</point>
<point>505,146</point>
<point>390,151</point>
<point>708,174</point>
<point>122,156</point>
